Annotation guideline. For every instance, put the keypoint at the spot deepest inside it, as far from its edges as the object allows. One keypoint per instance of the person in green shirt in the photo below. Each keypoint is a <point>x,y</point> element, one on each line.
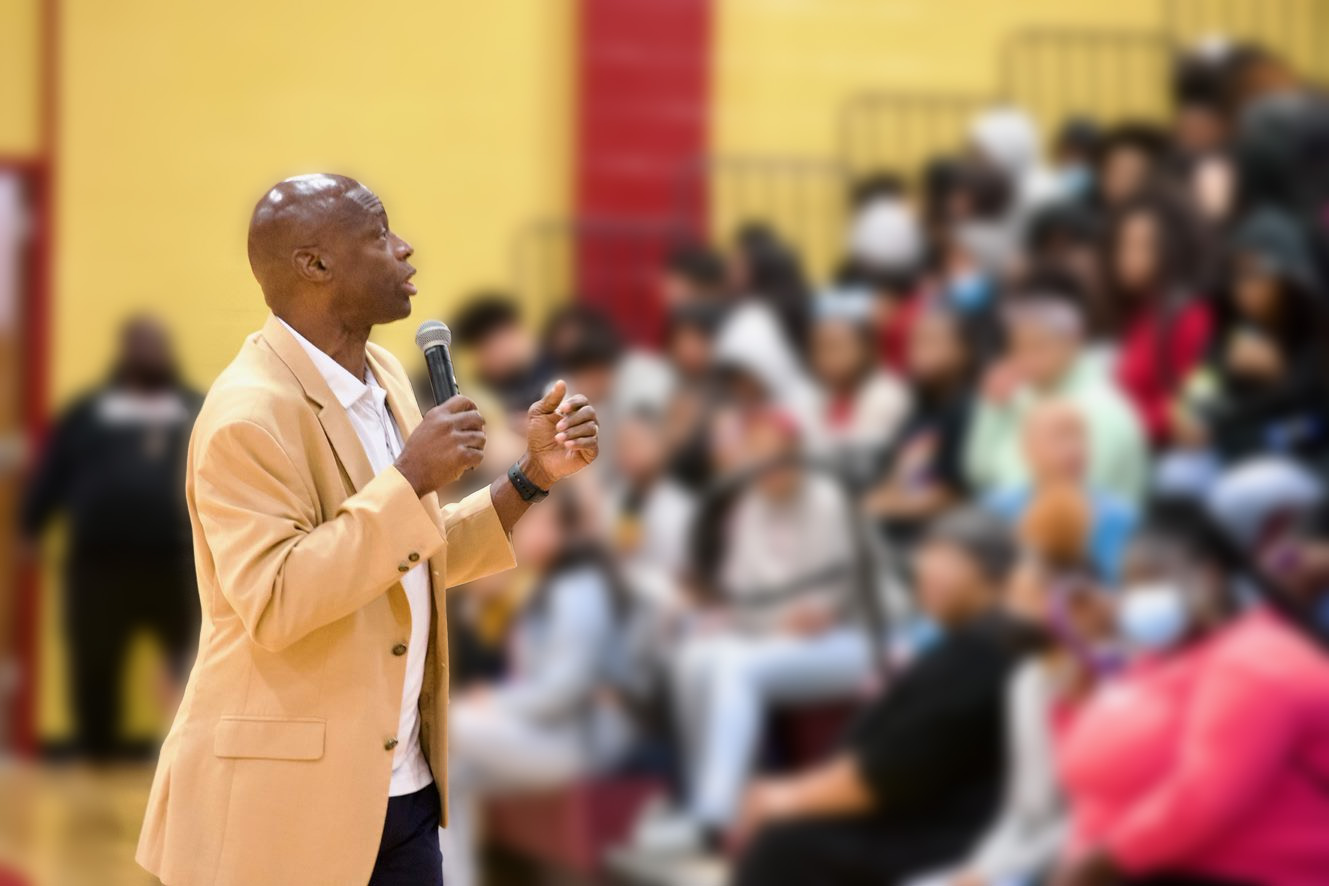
<point>1047,357</point>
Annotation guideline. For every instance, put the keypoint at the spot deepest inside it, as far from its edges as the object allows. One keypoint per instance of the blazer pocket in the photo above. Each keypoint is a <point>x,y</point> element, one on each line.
<point>270,738</point>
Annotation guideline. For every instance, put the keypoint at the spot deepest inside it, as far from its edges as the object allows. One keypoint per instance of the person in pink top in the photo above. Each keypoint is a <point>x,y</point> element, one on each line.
<point>1208,762</point>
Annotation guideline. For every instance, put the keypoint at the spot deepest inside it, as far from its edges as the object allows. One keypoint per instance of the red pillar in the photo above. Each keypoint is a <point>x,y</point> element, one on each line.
<point>643,80</point>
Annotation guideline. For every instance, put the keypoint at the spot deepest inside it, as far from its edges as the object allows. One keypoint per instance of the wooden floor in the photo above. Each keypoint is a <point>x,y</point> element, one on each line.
<point>71,826</point>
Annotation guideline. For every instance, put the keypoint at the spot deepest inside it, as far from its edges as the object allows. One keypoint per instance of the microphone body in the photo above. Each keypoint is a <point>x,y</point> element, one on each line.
<point>433,339</point>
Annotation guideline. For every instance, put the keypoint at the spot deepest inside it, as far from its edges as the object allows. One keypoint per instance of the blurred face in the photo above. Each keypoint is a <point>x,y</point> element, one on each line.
<point>1126,172</point>
<point>1041,353</point>
<point>1199,128</point>
<point>949,583</point>
<point>503,353</point>
<point>676,289</point>
<point>593,381</point>
<point>1257,291</point>
<point>936,351</point>
<point>1138,252</point>
<point>839,353</point>
<point>145,360</point>
<point>690,350</point>
<point>1213,186</point>
<point>640,449</point>
<point>1056,445</point>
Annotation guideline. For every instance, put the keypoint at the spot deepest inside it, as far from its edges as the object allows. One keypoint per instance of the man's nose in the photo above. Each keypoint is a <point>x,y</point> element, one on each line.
<point>404,249</point>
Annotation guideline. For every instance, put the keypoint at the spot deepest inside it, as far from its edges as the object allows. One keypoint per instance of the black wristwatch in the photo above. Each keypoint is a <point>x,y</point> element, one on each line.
<point>525,488</point>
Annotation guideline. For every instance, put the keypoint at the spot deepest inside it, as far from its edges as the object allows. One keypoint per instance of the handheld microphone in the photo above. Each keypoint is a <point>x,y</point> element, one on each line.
<point>433,338</point>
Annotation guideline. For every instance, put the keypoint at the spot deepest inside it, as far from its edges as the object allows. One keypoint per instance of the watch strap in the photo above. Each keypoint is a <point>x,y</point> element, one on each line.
<point>525,488</point>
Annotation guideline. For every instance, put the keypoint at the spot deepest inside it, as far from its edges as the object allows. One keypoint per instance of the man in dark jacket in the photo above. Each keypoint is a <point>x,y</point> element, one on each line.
<point>920,774</point>
<point>114,467</point>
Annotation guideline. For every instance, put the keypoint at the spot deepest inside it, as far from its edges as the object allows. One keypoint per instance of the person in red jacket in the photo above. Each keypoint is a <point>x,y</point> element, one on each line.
<point>1163,329</point>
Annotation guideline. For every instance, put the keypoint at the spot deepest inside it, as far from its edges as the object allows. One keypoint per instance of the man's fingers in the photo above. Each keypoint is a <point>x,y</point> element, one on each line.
<point>470,421</point>
<point>552,398</point>
<point>582,443</point>
<point>575,402</point>
<point>459,403</point>
<point>585,429</point>
<point>582,416</point>
<point>471,439</point>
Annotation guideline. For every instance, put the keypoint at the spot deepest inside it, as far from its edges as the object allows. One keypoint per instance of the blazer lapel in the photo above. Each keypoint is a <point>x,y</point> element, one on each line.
<point>336,423</point>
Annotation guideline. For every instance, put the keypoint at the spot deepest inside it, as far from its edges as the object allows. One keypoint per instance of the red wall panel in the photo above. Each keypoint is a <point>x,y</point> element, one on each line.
<point>643,77</point>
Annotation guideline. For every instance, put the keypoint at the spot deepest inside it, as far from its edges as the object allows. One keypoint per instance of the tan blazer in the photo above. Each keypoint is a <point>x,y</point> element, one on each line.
<point>276,769</point>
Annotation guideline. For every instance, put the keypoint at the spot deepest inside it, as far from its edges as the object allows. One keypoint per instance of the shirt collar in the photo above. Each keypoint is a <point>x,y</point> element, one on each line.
<point>345,387</point>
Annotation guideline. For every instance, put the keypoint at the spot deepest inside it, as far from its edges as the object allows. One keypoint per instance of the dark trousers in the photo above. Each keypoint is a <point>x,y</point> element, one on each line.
<point>849,851</point>
<point>408,854</point>
<point>108,600</point>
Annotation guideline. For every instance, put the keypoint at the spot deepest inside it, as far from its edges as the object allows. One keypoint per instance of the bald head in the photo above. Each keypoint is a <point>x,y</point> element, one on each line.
<point>320,243</point>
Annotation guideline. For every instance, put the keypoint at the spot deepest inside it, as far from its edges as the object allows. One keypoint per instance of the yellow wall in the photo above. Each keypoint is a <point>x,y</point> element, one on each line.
<point>175,117</point>
<point>783,68</point>
<point>19,77</point>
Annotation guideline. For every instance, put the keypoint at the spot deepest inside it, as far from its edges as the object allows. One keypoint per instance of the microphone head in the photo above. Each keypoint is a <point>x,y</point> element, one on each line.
<point>432,333</point>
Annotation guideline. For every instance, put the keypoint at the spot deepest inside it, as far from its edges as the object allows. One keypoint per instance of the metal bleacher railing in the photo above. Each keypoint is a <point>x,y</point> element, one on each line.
<point>802,198</point>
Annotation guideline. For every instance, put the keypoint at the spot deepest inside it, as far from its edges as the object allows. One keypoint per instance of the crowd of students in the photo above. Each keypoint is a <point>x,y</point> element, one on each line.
<point>1035,484</point>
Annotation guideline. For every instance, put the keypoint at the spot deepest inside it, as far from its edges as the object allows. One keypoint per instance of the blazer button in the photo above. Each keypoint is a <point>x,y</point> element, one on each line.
<point>389,744</point>
<point>403,566</point>
<point>399,649</point>
<point>413,557</point>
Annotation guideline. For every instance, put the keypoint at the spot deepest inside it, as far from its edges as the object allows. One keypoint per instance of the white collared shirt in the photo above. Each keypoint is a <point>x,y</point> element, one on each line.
<point>366,405</point>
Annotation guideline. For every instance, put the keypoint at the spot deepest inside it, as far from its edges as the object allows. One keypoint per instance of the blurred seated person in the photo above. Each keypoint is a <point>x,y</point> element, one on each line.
<point>782,626</point>
<point>861,404</point>
<point>1070,617</point>
<point>920,773</point>
<point>764,268</point>
<point>1218,773</point>
<point>114,468</point>
<point>1262,388</point>
<point>588,356</point>
<point>1075,157</point>
<point>1056,447</point>
<point>650,513</point>
<point>490,334</point>
<point>922,473</point>
<point>1163,326</point>
<point>690,337</point>
<point>1046,358</point>
<point>566,709</point>
<point>886,253</point>
<point>693,274</point>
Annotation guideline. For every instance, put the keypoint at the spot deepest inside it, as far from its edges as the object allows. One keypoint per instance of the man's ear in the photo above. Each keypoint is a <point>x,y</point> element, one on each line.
<point>310,264</point>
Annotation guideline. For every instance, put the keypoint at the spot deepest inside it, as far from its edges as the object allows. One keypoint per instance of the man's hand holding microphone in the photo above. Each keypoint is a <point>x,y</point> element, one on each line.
<point>562,433</point>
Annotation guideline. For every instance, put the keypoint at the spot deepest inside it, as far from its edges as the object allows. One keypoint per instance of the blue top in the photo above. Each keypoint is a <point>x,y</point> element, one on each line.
<point>1112,523</point>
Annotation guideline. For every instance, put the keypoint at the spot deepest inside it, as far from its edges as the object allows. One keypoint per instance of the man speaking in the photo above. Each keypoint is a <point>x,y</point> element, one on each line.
<point>313,729</point>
